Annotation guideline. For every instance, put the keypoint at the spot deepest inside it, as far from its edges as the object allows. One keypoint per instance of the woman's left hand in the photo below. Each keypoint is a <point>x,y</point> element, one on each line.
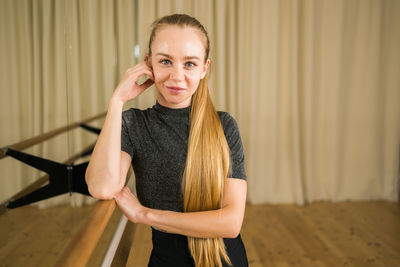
<point>129,205</point>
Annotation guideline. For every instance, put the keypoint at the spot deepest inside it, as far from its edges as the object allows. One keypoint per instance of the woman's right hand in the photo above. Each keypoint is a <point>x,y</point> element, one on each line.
<point>128,88</point>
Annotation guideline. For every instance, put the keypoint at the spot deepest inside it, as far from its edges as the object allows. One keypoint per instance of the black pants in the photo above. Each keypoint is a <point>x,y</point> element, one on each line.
<point>172,250</point>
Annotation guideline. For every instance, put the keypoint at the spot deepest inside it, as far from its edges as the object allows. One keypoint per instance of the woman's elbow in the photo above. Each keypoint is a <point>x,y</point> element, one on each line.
<point>99,192</point>
<point>233,230</point>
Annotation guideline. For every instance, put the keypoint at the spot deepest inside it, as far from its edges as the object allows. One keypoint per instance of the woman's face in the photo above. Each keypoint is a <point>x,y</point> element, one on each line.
<point>177,59</point>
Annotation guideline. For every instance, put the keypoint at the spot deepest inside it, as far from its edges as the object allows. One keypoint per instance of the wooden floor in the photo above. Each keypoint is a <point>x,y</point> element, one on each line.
<point>323,234</point>
<point>30,236</point>
<point>320,234</point>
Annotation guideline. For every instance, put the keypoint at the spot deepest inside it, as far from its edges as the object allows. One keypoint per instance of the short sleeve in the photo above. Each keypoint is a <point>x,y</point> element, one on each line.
<point>126,143</point>
<point>234,141</point>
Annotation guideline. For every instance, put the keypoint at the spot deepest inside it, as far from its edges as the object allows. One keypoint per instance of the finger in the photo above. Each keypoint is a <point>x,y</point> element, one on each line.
<point>141,65</point>
<point>121,193</point>
<point>149,73</point>
<point>141,83</point>
<point>146,84</point>
<point>120,199</point>
<point>136,76</point>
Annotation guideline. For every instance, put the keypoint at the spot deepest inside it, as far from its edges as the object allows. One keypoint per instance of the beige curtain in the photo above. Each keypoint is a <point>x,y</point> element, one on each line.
<point>314,85</point>
<point>60,62</point>
<point>32,84</point>
<point>320,90</point>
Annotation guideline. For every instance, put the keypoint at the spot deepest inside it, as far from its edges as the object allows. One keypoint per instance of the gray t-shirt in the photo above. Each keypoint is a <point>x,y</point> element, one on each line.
<point>157,140</point>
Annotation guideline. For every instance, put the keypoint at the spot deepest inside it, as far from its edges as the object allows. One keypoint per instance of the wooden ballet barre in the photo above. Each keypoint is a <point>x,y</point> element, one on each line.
<point>81,247</point>
<point>42,137</point>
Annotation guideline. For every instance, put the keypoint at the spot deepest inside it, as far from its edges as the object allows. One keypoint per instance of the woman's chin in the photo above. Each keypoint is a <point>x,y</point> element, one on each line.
<point>174,101</point>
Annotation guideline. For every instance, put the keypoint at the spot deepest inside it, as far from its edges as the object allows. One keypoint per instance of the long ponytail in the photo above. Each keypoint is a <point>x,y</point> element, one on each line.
<point>207,166</point>
<point>208,156</point>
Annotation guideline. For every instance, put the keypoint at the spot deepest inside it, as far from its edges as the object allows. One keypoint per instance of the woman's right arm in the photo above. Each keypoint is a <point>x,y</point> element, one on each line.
<point>108,165</point>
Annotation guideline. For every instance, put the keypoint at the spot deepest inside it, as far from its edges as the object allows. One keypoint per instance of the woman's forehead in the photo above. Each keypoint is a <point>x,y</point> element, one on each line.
<point>178,41</point>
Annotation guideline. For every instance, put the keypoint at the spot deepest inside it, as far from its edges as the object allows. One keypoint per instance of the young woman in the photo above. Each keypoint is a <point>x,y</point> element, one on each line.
<point>188,159</point>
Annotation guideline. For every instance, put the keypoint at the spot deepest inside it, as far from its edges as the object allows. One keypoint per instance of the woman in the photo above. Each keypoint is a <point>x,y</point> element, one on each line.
<point>182,152</point>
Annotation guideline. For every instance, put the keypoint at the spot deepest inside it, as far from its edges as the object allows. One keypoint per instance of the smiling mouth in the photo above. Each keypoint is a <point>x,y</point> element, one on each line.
<point>175,89</point>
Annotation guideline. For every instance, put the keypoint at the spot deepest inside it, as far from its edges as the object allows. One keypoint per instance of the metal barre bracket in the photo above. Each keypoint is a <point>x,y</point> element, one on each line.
<point>63,178</point>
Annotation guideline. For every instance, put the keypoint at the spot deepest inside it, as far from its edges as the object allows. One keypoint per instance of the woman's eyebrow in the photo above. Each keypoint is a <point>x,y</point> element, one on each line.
<point>171,57</point>
<point>191,57</point>
<point>164,55</point>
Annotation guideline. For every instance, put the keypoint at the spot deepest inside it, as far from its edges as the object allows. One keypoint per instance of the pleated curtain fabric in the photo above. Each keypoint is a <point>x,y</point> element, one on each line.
<point>314,85</point>
<point>32,85</point>
<point>60,63</point>
<point>320,100</point>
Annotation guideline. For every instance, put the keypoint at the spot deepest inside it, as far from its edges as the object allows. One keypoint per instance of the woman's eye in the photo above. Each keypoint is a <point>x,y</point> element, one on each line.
<point>165,62</point>
<point>190,64</point>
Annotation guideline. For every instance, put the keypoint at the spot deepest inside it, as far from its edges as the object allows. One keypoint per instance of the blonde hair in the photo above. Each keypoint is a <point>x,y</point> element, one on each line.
<point>208,156</point>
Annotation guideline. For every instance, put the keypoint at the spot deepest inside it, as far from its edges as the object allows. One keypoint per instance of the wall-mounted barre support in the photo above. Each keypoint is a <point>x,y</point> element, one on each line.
<point>63,178</point>
<point>44,179</point>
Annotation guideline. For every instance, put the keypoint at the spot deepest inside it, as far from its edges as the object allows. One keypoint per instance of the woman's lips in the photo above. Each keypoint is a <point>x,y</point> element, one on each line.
<point>175,90</point>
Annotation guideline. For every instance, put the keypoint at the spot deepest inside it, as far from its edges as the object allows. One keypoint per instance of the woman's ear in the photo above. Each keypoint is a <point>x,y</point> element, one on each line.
<point>148,60</point>
<point>205,68</point>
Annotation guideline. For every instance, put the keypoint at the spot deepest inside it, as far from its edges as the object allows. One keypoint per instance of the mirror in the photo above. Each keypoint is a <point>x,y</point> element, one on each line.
<point>61,61</point>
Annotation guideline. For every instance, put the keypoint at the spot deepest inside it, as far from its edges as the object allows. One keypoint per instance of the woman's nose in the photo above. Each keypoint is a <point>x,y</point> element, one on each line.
<point>177,73</point>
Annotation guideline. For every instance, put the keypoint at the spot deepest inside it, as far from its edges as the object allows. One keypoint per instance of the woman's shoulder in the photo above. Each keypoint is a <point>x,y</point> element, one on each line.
<point>132,111</point>
<point>135,113</point>
<point>228,122</point>
<point>226,117</point>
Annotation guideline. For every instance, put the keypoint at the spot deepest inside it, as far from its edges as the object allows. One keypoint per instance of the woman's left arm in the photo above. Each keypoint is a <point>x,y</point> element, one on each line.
<point>225,222</point>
